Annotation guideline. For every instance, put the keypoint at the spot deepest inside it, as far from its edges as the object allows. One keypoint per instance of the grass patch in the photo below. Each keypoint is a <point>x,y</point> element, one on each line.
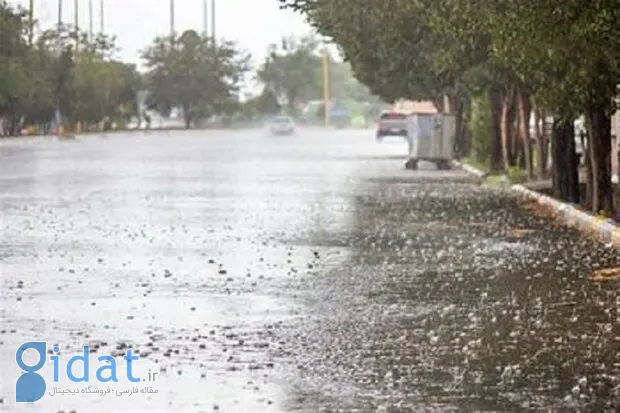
<point>516,175</point>
<point>496,181</point>
<point>512,175</point>
<point>471,161</point>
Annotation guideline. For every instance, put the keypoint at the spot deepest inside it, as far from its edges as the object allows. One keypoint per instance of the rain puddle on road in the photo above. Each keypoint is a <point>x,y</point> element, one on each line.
<point>257,276</point>
<point>474,311</point>
<point>173,255</point>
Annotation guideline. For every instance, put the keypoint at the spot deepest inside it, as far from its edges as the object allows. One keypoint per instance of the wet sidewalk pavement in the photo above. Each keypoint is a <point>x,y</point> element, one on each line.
<point>304,274</point>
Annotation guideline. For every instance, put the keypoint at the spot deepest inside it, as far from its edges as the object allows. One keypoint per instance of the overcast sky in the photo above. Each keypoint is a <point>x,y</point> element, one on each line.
<point>254,24</point>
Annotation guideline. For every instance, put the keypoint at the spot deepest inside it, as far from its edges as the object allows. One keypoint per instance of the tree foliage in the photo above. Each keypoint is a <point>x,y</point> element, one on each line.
<point>193,73</point>
<point>563,57</point>
<point>62,69</point>
<point>293,72</point>
<point>265,104</point>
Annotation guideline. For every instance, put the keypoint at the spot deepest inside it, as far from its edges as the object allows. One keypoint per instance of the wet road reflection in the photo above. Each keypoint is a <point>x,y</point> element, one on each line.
<point>310,273</point>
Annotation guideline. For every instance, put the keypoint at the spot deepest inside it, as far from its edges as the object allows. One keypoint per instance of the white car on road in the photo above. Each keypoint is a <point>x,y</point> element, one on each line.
<point>282,125</point>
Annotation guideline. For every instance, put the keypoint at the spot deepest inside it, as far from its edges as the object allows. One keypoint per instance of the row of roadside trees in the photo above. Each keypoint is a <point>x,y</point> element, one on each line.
<point>495,64</point>
<point>63,70</point>
<point>67,71</point>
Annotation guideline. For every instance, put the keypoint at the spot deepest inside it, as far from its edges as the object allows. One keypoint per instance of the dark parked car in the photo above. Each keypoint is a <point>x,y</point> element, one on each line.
<point>392,124</point>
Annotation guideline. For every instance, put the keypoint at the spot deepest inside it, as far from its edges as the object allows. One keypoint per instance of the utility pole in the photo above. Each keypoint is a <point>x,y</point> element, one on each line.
<point>205,18</point>
<point>59,27</point>
<point>31,22</point>
<point>76,18</point>
<point>90,20</point>
<point>213,21</point>
<point>172,19</point>
<point>326,91</point>
<point>76,15</point>
<point>102,14</point>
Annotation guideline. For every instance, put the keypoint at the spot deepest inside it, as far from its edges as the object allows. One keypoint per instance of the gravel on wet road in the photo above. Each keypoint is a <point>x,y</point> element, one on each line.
<point>292,274</point>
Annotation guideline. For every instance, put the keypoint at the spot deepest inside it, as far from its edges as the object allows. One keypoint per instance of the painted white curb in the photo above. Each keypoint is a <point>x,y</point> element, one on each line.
<point>470,169</point>
<point>604,229</point>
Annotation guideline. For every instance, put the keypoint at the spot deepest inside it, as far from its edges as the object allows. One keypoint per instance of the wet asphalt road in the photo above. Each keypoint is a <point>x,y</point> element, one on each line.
<point>302,274</point>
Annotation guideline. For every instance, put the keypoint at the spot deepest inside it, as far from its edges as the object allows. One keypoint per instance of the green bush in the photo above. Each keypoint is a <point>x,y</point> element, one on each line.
<point>516,175</point>
<point>481,126</point>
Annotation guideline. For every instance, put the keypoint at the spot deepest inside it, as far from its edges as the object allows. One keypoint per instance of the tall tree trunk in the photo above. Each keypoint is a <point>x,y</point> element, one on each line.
<point>439,104</point>
<point>544,143</point>
<point>459,139</point>
<point>617,185</point>
<point>506,127</point>
<point>518,151</point>
<point>587,154</point>
<point>565,175</point>
<point>187,116</point>
<point>465,125</point>
<point>516,148</point>
<point>599,134</point>
<point>448,103</point>
<point>538,139</point>
<point>495,99</point>
<point>524,111</point>
<point>574,194</point>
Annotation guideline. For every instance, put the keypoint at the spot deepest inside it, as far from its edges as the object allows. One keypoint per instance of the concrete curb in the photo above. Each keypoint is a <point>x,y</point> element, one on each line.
<point>605,230</point>
<point>470,169</point>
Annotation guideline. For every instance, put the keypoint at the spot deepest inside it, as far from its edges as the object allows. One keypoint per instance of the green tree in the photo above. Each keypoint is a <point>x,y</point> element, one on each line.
<point>396,48</point>
<point>82,80</point>
<point>292,72</point>
<point>560,57</point>
<point>14,81</point>
<point>265,104</point>
<point>192,73</point>
<point>568,53</point>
